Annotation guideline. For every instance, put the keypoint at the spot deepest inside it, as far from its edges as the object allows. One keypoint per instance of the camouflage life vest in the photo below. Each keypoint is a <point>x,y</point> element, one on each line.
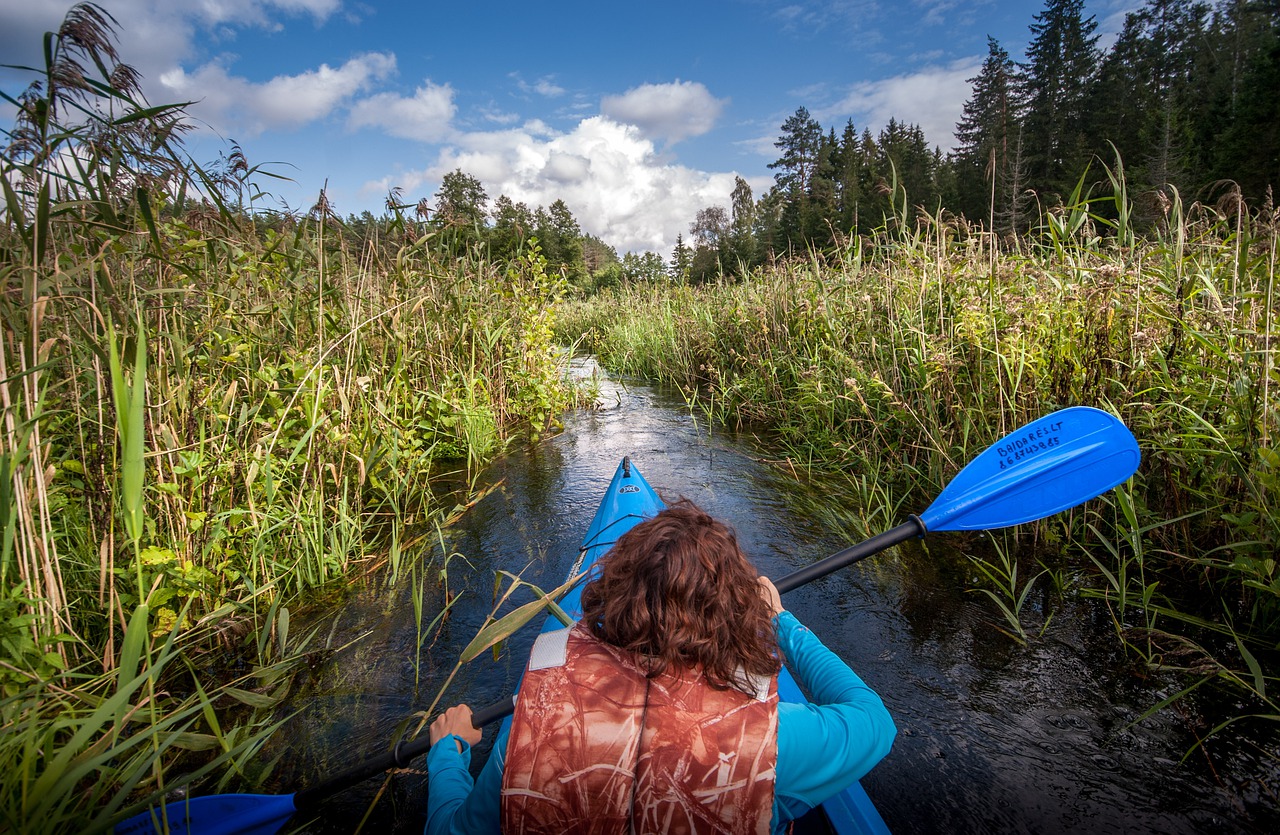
<point>597,747</point>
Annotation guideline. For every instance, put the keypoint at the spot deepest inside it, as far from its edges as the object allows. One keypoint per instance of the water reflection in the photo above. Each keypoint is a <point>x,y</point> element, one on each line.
<point>994,736</point>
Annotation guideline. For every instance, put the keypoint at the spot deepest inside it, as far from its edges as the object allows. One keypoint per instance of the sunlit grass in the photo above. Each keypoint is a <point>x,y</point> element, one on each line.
<point>208,412</point>
<point>900,357</point>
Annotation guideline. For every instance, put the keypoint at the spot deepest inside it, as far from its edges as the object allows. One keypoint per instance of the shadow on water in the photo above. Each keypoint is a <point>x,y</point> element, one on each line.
<point>993,736</point>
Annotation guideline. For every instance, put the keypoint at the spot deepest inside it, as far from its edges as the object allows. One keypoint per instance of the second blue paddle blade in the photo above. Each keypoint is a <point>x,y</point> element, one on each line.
<point>1045,467</point>
<point>216,814</point>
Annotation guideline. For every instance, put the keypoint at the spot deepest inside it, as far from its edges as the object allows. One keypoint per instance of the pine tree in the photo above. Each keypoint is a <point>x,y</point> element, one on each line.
<point>597,255</point>
<point>800,143</point>
<point>1062,61</point>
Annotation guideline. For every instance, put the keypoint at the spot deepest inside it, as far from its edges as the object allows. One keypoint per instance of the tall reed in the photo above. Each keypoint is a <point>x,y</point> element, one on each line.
<point>208,409</point>
<point>904,354</point>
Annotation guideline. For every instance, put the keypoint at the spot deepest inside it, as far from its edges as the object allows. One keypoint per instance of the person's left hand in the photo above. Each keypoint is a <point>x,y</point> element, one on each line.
<point>457,721</point>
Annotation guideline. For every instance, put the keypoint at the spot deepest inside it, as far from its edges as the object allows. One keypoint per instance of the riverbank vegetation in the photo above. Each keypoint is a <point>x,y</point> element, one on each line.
<point>209,412</point>
<point>898,357</point>
<point>212,408</point>
<point>1104,234</point>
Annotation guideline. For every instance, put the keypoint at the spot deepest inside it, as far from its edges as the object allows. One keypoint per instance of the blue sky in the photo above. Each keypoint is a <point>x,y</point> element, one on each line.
<point>637,114</point>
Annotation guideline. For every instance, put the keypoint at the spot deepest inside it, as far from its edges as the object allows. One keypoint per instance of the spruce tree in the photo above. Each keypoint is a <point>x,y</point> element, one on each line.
<point>906,160</point>
<point>742,241</point>
<point>1242,137</point>
<point>820,205</point>
<point>1062,61</point>
<point>850,175</point>
<point>1148,94</point>
<point>986,136</point>
<point>681,260</point>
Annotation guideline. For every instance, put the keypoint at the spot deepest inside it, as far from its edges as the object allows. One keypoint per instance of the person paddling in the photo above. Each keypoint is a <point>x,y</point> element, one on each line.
<point>658,710</point>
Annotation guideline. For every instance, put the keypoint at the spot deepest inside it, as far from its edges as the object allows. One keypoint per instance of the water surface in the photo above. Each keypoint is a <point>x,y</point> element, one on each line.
<point>993,736</point>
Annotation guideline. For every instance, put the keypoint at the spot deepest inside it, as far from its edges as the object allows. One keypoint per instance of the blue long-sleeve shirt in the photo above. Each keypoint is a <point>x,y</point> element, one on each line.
<point>823,747</point>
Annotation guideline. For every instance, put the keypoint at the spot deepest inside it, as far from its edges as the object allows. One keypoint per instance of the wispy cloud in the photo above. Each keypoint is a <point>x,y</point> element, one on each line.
<point>260,12</point>
<point>544,86</point>
<point>494,115</point>
<point>935,12</point>
<point>285,101</point>
<point>813,16</point>
<point>670,112</point>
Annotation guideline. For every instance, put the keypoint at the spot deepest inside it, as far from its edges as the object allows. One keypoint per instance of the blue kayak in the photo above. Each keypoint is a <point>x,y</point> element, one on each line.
<point>630,500</point>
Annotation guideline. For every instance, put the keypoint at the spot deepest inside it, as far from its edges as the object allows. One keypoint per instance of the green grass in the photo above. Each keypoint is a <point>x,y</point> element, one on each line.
<point>209,412</point>
<point>897,359</point>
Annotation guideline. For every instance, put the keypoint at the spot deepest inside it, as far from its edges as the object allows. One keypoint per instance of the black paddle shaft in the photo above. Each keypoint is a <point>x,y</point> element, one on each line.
<point>907,530</point>
<point>398,757</point>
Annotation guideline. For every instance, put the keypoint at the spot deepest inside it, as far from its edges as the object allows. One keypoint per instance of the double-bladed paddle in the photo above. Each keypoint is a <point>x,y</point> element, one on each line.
<point>1045,467</point>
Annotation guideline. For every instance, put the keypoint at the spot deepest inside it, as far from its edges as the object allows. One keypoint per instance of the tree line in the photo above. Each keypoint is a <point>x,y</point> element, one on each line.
<point>1187,99</point>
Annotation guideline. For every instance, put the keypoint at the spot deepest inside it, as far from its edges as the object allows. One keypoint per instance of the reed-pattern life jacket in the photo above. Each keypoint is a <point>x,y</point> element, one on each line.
<point>598,747</point>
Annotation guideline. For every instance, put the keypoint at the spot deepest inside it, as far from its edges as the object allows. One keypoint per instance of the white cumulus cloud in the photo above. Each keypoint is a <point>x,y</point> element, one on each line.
<point>286,101</point>
<point>608,173</point>
<point>425,117</point>
<point>672,111</point>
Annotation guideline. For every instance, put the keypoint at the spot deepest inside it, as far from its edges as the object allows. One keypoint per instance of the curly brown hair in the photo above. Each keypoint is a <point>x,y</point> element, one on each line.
<point>677,591</point>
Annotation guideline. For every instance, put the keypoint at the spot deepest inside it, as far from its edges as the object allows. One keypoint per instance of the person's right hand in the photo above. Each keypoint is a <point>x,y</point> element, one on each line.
<point>770,593</point>
<point>457,721</point>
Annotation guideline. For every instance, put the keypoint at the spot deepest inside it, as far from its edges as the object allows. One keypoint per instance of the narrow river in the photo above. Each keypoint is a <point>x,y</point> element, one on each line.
<point>992,736</point>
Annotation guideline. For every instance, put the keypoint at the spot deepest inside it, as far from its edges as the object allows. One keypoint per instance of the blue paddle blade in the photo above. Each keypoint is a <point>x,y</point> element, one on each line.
<point>217,814</point>
<point>1045,467</point>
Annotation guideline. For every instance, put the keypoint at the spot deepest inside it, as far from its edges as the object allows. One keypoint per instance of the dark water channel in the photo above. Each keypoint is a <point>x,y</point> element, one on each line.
<point>993,736</point>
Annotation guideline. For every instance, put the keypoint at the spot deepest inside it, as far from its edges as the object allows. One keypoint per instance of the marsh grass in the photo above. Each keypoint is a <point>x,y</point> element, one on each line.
<point>902,355</point>
<point>209,411</point>
<point>1007,591</point>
